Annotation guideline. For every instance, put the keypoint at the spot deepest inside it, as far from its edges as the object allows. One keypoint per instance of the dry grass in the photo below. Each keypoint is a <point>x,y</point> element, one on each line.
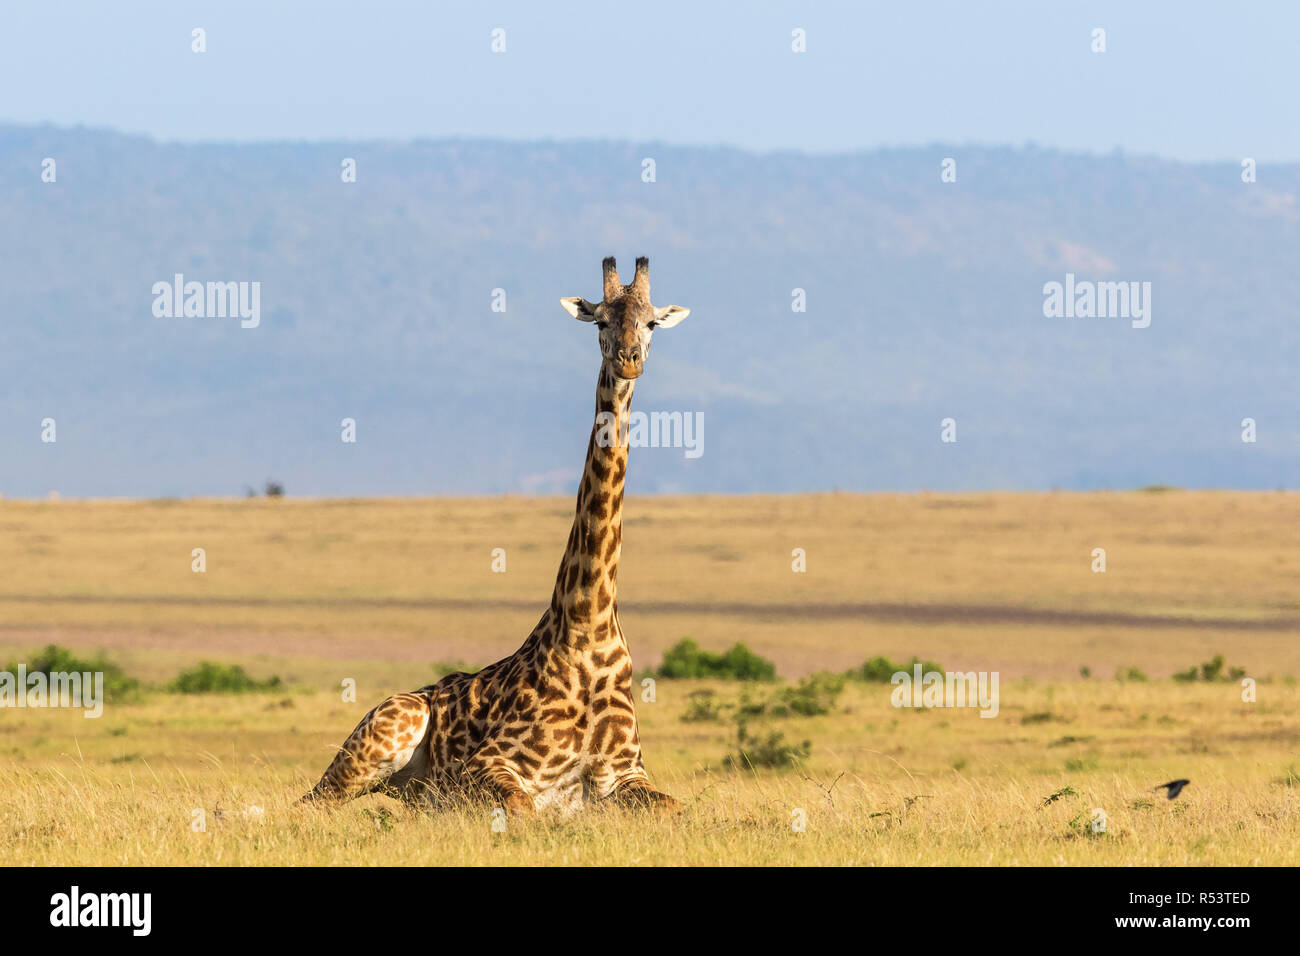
<point>882,786</point>
<point>377,591</point>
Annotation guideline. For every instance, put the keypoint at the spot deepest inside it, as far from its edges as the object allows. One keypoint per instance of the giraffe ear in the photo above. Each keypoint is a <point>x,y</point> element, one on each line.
<point>669,316</point>
<point>579,308</point>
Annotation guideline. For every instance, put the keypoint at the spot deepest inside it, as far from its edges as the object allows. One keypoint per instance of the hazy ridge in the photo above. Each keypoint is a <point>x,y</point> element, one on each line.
<point>924,301</point>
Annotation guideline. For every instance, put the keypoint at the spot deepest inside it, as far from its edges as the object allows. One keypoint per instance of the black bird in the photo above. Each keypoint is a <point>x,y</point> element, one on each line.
<point>1175,787</point>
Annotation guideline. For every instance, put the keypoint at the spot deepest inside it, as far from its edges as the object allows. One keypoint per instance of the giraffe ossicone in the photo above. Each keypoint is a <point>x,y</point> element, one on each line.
<point>553,724</point>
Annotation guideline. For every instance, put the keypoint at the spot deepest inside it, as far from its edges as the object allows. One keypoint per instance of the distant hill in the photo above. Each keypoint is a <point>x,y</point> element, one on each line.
<point>924,302</point>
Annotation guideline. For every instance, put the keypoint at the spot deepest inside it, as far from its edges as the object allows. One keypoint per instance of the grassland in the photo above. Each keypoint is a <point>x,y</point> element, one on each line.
<point>381,591</point>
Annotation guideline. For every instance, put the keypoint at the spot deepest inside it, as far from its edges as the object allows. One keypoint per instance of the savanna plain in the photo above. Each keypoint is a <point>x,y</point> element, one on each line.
<point>1179,660</point>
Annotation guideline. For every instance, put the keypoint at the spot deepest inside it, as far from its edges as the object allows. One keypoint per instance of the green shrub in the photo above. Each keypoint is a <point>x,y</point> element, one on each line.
<point>210,678</point>
<point>703,706</point>
<point>686,659</point>
<point>811,696</point>
<point>881,670</point>
<point>749,706</point>
<point>55,659</point>
<point>769,751</point>
<point>1211,671</point>
<point>1130,675</point>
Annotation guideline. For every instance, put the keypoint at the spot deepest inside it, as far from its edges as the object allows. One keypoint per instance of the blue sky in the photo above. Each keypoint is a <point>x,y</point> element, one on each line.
<point>1184,80</point>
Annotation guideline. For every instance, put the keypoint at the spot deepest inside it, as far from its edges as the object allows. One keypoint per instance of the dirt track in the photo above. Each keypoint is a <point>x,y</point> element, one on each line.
<point>893,613</point>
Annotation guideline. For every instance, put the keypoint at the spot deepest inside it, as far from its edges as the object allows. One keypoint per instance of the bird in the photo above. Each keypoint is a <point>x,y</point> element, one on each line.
<point>1175,787</point>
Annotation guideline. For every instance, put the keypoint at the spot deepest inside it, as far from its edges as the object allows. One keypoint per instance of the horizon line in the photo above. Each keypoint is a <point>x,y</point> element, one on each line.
<point>1024,146</point>
<point>1153,489</point>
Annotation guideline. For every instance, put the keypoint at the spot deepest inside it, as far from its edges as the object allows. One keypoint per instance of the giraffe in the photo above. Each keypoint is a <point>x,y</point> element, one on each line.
<point>553,724</point>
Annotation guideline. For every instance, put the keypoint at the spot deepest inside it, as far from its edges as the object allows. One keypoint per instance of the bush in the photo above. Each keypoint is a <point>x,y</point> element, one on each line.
<point>210,678</point>
<point>686,659</point>
<point>748,706</point>
<point>769,751</point>
<point>1130,675</point>
<point>703,707</point>
<point>881,670</point>
<point>1211,671</point>
<point>811,696</point>
<point>55,659</point>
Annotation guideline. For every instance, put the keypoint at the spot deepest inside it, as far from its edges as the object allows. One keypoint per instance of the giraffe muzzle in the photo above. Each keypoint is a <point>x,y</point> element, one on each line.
<point>629,363</point>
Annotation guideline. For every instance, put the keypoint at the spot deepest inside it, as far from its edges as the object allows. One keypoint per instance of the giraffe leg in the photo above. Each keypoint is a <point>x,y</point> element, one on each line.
<point>502,784</point>
<point>623,781</point>
<point>636,792</point>
<point>382,745</point>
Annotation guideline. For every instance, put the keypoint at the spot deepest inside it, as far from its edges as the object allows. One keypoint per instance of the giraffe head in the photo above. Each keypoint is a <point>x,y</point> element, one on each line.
<point>625,318</point>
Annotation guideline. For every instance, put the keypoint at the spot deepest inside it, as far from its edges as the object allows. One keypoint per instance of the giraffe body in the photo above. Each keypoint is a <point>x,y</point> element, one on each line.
<point>553,725</point>
<point>560,727</point>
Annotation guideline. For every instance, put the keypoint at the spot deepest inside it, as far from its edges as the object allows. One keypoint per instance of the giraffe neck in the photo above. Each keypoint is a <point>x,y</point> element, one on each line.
<point>586,586</point>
